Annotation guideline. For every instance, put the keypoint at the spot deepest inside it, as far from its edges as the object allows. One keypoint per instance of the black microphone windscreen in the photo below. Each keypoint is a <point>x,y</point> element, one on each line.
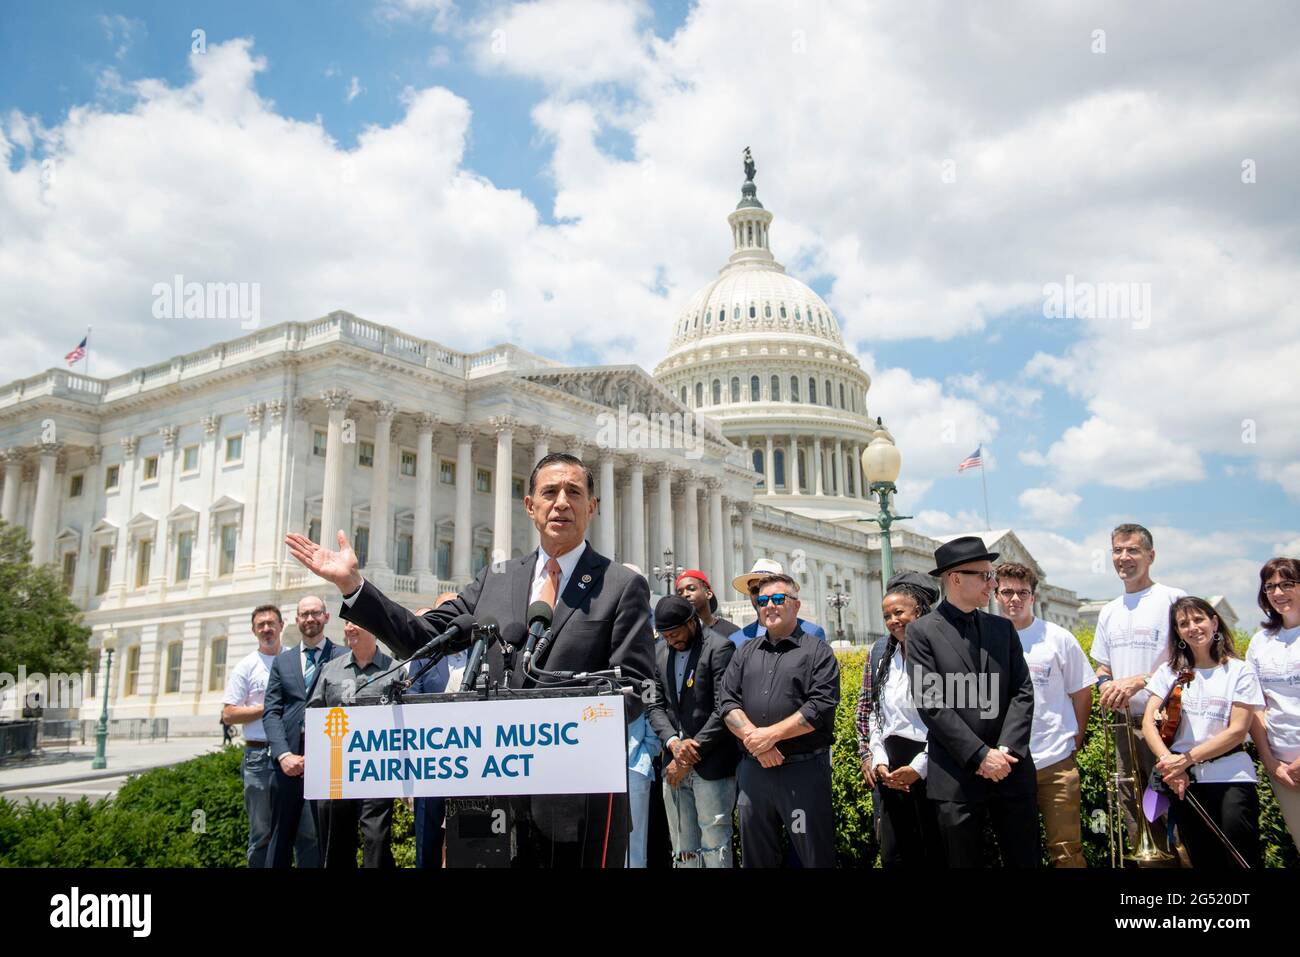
<point>540,611</point>
<point>463,622</point>
<point>514,634</point>
<point>488,621</point>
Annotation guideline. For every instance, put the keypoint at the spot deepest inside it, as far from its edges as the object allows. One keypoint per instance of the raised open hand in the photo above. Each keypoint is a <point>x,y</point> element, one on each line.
<point>337,567</point>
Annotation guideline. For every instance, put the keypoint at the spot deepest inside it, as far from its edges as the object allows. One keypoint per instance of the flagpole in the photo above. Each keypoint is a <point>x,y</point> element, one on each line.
<point>983,481</point>
<point>86,369</point>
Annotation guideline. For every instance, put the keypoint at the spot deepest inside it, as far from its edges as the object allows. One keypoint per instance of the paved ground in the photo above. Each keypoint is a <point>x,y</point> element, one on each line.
<point>67,773</point>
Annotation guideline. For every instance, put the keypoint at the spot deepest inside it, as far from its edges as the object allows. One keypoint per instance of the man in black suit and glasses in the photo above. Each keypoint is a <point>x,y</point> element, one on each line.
<point>601,619</point>
<point>974,693</point>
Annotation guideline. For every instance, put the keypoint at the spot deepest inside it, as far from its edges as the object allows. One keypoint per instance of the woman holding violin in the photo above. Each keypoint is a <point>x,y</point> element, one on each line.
<point>1201,708</point>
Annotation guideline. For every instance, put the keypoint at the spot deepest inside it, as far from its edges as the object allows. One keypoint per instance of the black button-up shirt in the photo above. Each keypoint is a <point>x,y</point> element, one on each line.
<point>771,680</point>
<point>967,624</point>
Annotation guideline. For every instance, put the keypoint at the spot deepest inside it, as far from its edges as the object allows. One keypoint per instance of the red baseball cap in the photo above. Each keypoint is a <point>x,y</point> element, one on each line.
<point>696,573</point>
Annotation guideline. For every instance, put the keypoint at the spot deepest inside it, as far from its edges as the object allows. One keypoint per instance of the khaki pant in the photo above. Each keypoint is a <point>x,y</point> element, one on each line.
<point>1288,799</point>
<point>1059,802</point>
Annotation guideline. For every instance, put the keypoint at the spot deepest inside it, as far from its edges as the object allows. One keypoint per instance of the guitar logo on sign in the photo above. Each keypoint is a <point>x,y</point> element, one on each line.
<point>336,726</point>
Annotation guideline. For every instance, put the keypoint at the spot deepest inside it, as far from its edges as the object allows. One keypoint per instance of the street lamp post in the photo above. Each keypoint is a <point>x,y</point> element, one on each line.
<point>881,462</point>
<point>101,731</point>
<point>667,572</point>
<point>838,599</point>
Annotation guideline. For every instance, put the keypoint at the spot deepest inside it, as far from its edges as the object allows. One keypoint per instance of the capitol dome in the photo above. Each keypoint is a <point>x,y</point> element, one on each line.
<point>761,354</point>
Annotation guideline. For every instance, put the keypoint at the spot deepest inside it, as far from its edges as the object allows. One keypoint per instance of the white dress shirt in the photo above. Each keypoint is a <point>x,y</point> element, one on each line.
<point>899,718</point>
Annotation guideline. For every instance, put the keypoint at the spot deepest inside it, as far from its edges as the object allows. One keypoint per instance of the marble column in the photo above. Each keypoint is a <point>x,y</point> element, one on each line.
<point>746,510</point>
<point>463,534</point>
<point>252,488</point>
<point>679,526</point>
<point>126,498</point>
<point>729,548</point>
<point>504,426</point>
<point>716,541</point>
<point>165,547</point>
<point>421,553</point>
<point>819,487</point>
<point>541,449</point>
<point>840,488</point>
<point>769,470</point>
<point>13,462</point>
<point>692,557</point>
<point>269,546</point>
<point>44,512</point>
<point>200,555</point>
<point>331,512</point>
<point>381,474</point>
<point>87,560</point>
<point>665,474</point>
<point>607,527</point>
<point>636,491</point>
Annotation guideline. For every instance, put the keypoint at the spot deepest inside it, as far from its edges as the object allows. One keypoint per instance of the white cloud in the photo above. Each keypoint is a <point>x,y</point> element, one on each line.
<point>440,13</point>
<point>1131,455</point>
<point>1032,458</point>
<point>1047,506</point>
<point>123,31</point>
<point>354,90</point>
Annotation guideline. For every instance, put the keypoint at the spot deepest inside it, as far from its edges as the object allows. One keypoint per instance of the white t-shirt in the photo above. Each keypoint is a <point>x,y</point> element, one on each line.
<point>246,686</point>
<point>1059,668</point>
<point>1276,660</point>
<point>1132,635</point>
<point>1207,705</point>
<point>901,719</point>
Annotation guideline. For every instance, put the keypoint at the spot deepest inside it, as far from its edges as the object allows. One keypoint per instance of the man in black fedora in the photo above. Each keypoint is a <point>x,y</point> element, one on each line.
<point>974,693</point>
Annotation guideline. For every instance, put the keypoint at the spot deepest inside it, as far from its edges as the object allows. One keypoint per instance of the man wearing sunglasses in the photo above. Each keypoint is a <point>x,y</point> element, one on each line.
<point>747,585</point>
<point>779,696</point>
<point>974,693</point>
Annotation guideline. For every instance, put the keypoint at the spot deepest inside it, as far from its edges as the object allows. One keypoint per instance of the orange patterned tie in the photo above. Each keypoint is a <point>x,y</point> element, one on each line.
<point>551,587</point>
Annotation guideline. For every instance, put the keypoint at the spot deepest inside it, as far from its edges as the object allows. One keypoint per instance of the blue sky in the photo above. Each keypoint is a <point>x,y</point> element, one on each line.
<point>585,168</point>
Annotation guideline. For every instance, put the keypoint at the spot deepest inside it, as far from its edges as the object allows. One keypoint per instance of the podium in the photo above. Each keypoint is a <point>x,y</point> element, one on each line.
<point>532,778</point>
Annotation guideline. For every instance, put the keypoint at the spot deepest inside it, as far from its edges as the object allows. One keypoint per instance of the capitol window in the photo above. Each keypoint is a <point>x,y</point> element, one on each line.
<point>812,390</point>
<point>318,440</point>
<point>717,392</point>
<point>735,388</point>
<point>151,468</point>
<point>143,553</point>
<point>105,569</point>
<point>708,318</point>
<point>409,462</point>
<point>447,472</point>
<point>842,396</point>
<point>175,654</point>
<point>783,315</point>
<point>830,401</point>
<point>794,388</point>
<point>111,474</point>
<point>758,463</point>
<point>366,454</point>
<point>184,553</point>
<point>753,389</point>
<point>234,448</point>
<point>753,311</point>
<point>75,485</point>
<point>776,389</point>
<point>217,670</point>
<point>778,467</point>
<point>189,459</point>
<point>683,395</point>
<point>767,310</point>
<point>482,480</point>
<point>735,313</point>
<point>229,539</point>
<point>699,394</point>
<point>361,544</point>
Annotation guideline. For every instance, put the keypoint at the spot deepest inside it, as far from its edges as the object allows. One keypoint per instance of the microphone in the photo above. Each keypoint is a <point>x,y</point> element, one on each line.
<point>484,632</point>
<point>456,637</point>
<point>539,623</point>
<point>513,637</point>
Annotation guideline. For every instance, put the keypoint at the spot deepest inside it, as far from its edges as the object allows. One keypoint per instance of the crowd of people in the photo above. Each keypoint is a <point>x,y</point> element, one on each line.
<point>965,718</point>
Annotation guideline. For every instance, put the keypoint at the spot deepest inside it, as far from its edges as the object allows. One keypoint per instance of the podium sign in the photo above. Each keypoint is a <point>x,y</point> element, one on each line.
<point>569,745</point>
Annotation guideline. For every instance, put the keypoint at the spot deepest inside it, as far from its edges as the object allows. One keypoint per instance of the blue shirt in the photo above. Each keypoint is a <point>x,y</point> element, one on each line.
<point>642,746</point>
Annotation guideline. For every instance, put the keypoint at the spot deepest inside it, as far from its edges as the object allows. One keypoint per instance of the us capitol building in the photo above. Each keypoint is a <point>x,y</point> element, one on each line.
<point>163,495</point>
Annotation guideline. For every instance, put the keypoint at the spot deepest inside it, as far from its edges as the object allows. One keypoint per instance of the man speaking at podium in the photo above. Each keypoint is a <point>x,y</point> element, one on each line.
<point>601,620</point>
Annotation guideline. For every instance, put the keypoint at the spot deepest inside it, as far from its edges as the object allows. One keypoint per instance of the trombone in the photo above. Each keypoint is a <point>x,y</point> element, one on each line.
<point>1147,852</point>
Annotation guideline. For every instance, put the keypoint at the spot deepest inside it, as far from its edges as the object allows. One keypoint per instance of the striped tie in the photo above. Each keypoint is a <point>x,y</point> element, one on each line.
<point>310,671</point>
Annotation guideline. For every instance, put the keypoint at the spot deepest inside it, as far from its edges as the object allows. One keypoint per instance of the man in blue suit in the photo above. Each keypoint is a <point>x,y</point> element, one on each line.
<point>747,585</point>
<point>289,685</point>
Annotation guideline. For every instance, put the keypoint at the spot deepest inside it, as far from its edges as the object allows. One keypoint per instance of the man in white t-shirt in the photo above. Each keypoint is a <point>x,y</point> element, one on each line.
<point>1130,643</point>
<point>1063,681</point>
<point>242,704</point>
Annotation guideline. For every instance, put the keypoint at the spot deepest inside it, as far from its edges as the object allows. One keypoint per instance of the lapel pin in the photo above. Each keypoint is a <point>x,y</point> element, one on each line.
<point>586,580</point>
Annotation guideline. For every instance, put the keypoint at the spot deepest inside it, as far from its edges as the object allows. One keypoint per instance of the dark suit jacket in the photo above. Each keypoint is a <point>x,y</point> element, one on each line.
<point>286,698</point>
<point>695,714</point>
<point>960,734</point>
<point>599,623</point>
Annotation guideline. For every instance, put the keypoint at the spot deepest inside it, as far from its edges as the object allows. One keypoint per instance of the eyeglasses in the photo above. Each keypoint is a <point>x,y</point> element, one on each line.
<point>778,599</point>
<point>1280,588</point>
<point>987,576</point>
<point>311,614</point>
<point>1009,593</point>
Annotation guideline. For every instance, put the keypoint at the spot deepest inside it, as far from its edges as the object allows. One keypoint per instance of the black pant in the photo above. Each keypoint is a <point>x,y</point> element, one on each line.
<point>906,824</point>
<point>286,815</point>
<point>1235,809</point>
<point>1015,824</point>
<point>565,831</point>
<point>795,796</point>
<point>338,822</point>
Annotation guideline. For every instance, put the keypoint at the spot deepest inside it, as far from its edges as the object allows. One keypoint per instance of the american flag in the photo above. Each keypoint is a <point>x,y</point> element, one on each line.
<point>972,461</point>
<point>77,354</point>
